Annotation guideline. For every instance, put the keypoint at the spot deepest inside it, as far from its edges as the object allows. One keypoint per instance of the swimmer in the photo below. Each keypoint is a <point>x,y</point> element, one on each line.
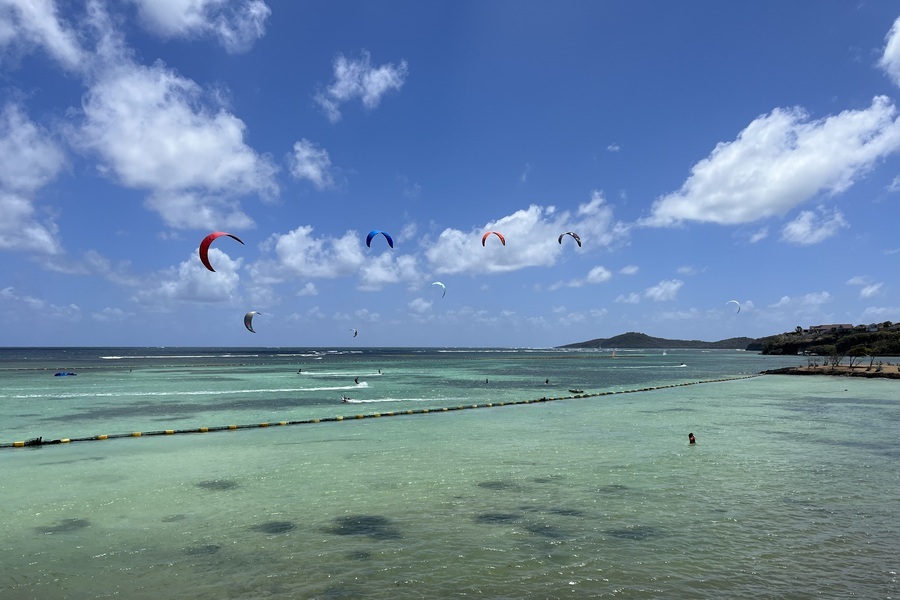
<point>691,439</point>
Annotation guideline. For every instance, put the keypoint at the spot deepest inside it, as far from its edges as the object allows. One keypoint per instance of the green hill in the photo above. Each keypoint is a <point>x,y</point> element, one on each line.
<point>641,340</point>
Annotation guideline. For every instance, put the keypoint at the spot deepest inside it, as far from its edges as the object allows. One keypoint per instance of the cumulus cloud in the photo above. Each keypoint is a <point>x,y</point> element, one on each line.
<point>780,161</point>
<point>190,282</point>
<point>359,79</point>
<point>299,253</point>
<point>631,298</point>
<point>419,306</point>
<point>13,299</point>
<point>664,290</point>
<point>629,270</point>
<point>312,163</point>
<point>890,58</point>
<point>531,239</point>
<point>868,289</point>
<point>388,268</point>
<point>31,159</point>
<point>236,25</point>
<point>156,130</point>
<point>598,275</point>
<point>308,290</point>
<point>30,24</point>
<point>813,227</point>
<point>815,299</point>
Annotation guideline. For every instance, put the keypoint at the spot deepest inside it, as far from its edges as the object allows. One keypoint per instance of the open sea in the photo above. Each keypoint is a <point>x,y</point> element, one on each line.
<point>211,473</point>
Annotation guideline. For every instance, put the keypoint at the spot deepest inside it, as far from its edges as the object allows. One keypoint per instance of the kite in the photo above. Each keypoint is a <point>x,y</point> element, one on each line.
<point>355,332</point>
<point>574,236</point>
<point>443,287</point>
<point>204,247</point>
<point>248,320</point>
<point>738,305</point>
<point>499,235</point>
<point>375,232</point>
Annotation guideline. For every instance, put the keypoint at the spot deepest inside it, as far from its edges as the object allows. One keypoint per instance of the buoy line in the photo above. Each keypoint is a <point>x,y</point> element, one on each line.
<point>394,413</point>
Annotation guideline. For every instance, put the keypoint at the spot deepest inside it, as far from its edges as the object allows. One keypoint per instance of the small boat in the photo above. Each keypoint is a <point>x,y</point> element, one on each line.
<point>345,399</point>
<point>577,391</point>
<point>65,374</point>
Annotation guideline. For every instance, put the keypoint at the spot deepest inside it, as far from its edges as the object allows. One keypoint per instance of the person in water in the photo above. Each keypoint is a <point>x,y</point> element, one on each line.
<point>356,381</point>
<point>691,439</point>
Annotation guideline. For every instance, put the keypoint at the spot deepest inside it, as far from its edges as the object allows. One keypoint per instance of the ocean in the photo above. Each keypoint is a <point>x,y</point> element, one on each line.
<point>209,473</point>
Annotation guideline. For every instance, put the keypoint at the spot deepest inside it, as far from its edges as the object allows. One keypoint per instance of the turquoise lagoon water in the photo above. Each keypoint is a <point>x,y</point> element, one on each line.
<point>790,492</point>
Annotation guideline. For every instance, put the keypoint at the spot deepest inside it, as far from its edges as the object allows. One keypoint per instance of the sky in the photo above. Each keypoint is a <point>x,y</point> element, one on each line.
<point>703,152</point>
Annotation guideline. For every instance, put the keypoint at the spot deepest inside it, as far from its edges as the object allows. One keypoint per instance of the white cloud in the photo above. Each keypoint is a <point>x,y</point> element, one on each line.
<point>613,147</point>
<point>388,268</point>
<point>158,131</point>
<point>191,282</point>
<point>111,315</point>
<point>780,161</point>
<point>13,299</point>
<point>420,306</point>
<point>598,275</point>
<point>308,290</point>
<point>629,270</point>
<point>811,228</point>
<point>689,270</point>
<point>531,239</point>
<point>358,79</point>
<point>30,160</point>
<point>890,59</point>
<point>181,209</point>
<point>27,24</point>
<point>664,290</point>
<point>312,163</point>
<point>815,299</point>
<point>871,290</point>
<point>759,235</point>
<point>299,254</point>
<point>30,157</point>
<point>782,302</point>
<point>632,298</point>
<point>236,25</point>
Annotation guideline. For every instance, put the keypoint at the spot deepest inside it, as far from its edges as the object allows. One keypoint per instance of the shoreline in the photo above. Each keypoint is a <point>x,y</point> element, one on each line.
<point>885,371</point>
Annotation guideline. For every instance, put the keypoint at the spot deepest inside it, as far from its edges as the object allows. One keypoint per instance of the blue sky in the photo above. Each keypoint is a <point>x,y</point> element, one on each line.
<point>704,152</point>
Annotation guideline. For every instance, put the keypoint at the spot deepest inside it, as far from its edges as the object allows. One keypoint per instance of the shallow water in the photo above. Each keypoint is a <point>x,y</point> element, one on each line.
<point>790,491</point>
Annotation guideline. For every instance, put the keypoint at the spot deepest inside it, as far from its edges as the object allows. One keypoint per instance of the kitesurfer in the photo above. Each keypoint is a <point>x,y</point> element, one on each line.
<point>356,381</point>
<point>691,439</point>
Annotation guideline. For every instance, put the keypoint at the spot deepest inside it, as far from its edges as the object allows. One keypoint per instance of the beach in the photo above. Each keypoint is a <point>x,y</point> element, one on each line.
<point>874,371</point>
<point>788,492</point>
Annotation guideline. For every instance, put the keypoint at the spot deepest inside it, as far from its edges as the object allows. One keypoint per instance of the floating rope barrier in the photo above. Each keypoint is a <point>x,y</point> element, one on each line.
<point>394,413</point>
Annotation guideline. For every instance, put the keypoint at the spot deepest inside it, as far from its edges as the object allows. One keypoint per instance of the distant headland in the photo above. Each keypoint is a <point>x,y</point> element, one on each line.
<point>644,341</point>
<point>839,340</point>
